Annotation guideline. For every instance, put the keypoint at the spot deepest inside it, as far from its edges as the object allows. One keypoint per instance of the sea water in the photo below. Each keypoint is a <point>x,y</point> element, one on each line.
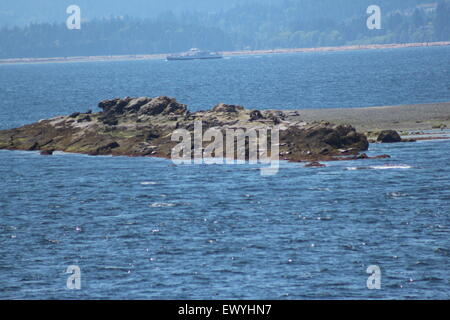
<point>142,228</point>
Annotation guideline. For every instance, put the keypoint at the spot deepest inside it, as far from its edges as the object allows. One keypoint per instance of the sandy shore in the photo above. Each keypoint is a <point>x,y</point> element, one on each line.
<point>402,118</point>
<point>341,48</point>
<point>225,53</point>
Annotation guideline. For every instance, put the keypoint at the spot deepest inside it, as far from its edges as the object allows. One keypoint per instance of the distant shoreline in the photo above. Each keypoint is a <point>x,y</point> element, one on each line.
<point>225,53</point>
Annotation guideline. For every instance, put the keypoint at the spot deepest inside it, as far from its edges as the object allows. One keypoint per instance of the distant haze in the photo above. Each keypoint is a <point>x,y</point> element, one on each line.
<point>37,28</point>
<point>22,12</point>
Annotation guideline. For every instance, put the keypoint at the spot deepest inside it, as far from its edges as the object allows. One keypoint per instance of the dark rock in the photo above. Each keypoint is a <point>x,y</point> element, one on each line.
<point>109,119</point>
<point>74,115</point>
<point>104,148</point>
<point>256,115</point>
<point>389,136</point>
<point>322,139</point>
<point>315,164</point>
<point>163,105</point>
<point>32,146</point>
<point>227,108</point>
<point>324,151</point>
<point>114,106</point>
<point>352,135</point>
<point>151,135</point>
<point>362,156</point>
<point>276,116</point>
<point>46,152</point>
<point>333,139</point>
<point>344,130</point>
<point>275,120</point>
<point>383,156</point>
<point>135,105</point>
<point>108,105</point>
<point>85,118</point>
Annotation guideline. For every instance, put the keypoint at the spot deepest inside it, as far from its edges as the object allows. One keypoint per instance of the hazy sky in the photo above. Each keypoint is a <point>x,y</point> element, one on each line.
<point>20,12</point>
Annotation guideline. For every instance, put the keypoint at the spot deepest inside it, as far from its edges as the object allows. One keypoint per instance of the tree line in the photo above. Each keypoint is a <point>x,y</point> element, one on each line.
<point>250,26</point>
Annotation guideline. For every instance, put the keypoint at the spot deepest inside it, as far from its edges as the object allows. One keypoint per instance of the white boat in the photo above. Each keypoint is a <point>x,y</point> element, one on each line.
<point>195,54</point>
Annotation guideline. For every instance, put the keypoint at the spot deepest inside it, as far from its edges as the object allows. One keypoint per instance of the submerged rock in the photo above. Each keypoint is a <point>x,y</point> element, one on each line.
<point>315,164</point>
<point>46,152</point>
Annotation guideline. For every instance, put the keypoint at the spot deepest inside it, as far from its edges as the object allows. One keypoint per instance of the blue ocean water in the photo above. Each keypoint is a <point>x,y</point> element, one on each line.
<point>141,228</point>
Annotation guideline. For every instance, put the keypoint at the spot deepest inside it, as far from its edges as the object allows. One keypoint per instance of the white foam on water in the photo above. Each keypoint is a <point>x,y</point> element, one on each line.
<point>147,183</point>
<point>383,167</point>
<point>162,205</point>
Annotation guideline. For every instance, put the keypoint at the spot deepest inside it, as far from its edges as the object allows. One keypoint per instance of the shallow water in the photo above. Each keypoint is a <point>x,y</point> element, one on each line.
<point>143,228</point>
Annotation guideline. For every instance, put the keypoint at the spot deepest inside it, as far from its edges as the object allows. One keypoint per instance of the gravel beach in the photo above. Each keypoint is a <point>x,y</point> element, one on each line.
<point>401,118</point>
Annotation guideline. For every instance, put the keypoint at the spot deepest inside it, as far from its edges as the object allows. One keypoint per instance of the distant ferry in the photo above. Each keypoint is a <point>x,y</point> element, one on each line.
<point>194,54</point>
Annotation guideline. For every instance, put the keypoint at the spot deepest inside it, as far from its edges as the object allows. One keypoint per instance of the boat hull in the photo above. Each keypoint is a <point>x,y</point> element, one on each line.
<point>193,58</point>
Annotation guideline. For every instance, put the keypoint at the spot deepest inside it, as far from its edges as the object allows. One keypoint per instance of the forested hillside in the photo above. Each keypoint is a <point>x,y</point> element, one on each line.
<point>23,12</point>
<point>239,25</point>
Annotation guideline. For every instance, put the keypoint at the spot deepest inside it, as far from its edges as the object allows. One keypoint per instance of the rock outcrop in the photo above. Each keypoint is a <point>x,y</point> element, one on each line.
<point>143,127</point>
<point>389,136</point>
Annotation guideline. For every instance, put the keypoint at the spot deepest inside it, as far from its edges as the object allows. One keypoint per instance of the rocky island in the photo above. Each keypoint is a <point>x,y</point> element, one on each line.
<point>144,126</point>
